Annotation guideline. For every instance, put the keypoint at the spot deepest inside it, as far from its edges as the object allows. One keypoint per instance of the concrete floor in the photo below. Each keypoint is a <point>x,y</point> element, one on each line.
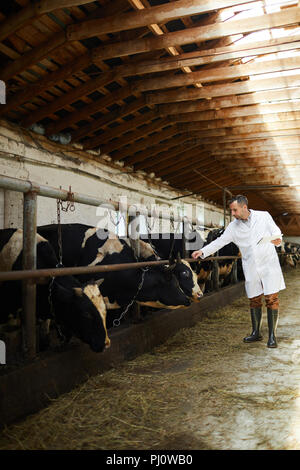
<point>203,389</point>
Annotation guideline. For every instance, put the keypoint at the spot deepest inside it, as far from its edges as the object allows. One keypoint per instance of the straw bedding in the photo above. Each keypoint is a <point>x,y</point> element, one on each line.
<point>202,389</point>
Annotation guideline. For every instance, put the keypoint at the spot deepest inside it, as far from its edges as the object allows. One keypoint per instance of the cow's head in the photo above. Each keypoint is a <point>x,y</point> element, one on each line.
<point>187,278</point>
<point>80,311</point>
<point>161,289</point>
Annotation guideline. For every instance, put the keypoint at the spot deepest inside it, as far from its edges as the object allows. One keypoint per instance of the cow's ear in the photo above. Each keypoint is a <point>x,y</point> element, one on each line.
<point>78,291</point>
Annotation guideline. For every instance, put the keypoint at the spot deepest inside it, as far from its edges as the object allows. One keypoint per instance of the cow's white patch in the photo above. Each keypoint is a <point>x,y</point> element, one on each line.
<point>13,248</point>
<point>146,250</point>
<point>110,247</point>
<point>93,293</point>
<point>89,233</point>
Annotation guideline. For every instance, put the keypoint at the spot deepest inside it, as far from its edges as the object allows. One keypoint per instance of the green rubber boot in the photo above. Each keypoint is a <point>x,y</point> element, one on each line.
<point>272,324</point>
<point>256,319</point>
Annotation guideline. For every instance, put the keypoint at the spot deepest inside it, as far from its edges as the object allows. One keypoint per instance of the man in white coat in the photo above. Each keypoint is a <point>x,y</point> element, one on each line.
<point>263,275</point>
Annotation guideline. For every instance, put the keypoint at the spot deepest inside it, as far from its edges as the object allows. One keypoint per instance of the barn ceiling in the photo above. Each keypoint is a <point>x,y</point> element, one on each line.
<point>205,94</point>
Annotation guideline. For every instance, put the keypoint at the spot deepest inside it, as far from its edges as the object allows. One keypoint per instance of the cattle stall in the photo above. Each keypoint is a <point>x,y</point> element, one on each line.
<point>126,126</point>
<point>24,341</point>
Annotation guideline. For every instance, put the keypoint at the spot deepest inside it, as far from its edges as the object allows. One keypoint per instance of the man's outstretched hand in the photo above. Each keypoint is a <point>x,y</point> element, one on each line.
<point>276,242</point>
<point>197,254</point>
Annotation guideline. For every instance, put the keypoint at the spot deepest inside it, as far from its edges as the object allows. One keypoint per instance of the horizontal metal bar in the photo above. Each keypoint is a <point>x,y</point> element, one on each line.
<point>15,184</point>
<point>53,272</point>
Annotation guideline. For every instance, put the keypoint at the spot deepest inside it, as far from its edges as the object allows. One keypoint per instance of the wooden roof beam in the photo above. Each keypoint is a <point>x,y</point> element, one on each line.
<point>32,11</point>
<point>155,15</point>
<point>220,73</point>
<point>151,152</point>
<point>130,150</point>
<point>215,91</point>
<point>198,34</point>
<point>136,68</point>
<point>161,162</point>
<point>267,119</point>
<point>274,128</point>
<point>127,139</point>
<point>253,98</point>
<point>107,119</point>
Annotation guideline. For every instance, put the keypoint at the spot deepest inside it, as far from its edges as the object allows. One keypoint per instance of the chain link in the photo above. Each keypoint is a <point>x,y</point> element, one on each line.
<point>117,321</point>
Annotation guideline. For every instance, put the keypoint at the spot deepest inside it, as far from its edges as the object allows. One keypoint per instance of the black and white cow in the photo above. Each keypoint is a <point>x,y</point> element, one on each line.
<point>225,266</point>
<point>79,310</point>
<point>85,245</point>
<point>167,246</point>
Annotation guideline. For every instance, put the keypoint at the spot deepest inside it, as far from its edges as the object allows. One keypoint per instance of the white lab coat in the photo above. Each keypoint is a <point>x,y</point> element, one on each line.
<point>261,265</point>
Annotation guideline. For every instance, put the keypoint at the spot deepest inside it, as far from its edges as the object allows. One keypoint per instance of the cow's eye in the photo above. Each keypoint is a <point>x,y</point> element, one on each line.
<point>185,274</point>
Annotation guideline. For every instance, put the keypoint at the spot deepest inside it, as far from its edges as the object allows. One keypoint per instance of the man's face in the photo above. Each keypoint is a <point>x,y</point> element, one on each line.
<point>239,211</point>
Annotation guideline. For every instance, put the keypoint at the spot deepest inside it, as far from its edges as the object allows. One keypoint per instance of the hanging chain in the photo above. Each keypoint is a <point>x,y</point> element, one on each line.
<point>70,206</point>
<point>117,321</point>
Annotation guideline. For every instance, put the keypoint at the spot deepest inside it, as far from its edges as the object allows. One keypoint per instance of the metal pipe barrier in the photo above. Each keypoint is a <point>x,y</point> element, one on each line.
<point>54,272</point>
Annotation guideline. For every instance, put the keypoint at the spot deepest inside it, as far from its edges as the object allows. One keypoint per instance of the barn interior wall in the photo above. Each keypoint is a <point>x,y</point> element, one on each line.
<point>292,239</point>
<point>32,157</point>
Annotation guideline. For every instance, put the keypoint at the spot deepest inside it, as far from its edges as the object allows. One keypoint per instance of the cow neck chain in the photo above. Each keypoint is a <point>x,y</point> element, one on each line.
<point>52,312</point>
<point>117,321</point>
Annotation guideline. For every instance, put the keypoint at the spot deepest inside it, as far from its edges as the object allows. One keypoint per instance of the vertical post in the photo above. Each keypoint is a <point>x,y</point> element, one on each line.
<point>29,285</point>
<point>215,275</point>
<point>184,228</point>
<point>224,206</point>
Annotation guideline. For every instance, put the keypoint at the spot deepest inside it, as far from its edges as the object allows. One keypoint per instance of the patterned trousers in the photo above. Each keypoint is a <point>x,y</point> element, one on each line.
<point>271,300</point>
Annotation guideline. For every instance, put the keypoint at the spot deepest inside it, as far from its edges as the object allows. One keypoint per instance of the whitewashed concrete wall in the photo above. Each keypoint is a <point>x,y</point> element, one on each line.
<point>292,239</point>
<point>32,157</point>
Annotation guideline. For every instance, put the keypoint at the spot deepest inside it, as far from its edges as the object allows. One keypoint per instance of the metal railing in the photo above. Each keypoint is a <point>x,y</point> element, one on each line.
<point>30,273</point>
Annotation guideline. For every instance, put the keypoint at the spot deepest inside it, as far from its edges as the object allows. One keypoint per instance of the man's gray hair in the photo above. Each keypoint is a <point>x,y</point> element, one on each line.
<point>240,199</point>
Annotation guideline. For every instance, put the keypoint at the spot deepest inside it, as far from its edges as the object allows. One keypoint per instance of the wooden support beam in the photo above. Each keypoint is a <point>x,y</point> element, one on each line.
<point>214,91</point>
<point>32,57</point>
<point>198,34</point>
<point>117,131</point>
<point>85,112</point>
<point>174,62</point>
<point>68,98</point>
<point>274,128</point>
<point>229,101</point>
<point>272,136</point>
<point>156,15</point>
<point>165,159</point>
<point>146,130</point>
<point>161,162</point>
<point>37,54</point>
<point>264,119</point>
<point>108,118</point>
<point>32,11</point>
<point>50,80</point>
<point>255,145</point>
<point>183,166</point>
<point>219,73</point>
<point>150,152</point>
<point>210,56</point>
